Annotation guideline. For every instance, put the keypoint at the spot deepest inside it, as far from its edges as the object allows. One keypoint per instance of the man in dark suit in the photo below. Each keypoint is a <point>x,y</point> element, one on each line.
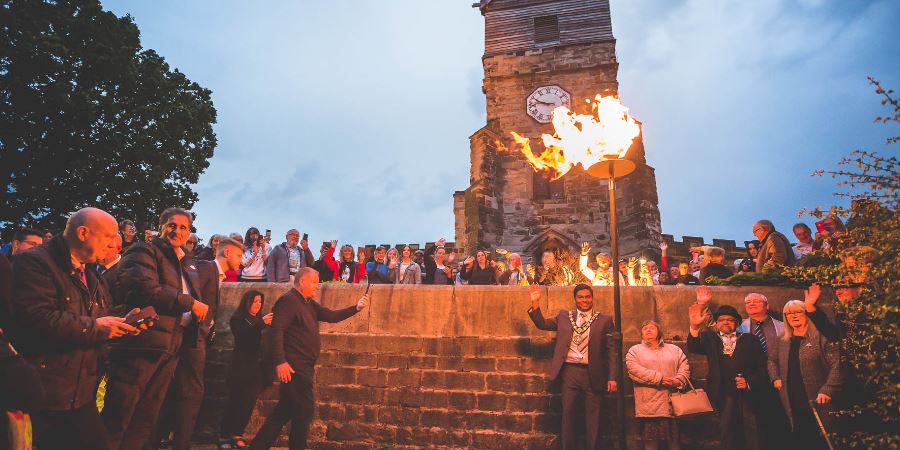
<point>58,323</point>
<point>737,367</point>
<point>141,367</point>
<point>186,392</point>
<point>108,268</point>
<point>294,345</point>
<point>585,359</point>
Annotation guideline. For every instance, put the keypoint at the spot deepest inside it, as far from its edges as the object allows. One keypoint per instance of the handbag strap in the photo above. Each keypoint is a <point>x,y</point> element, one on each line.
<point>690,384</point>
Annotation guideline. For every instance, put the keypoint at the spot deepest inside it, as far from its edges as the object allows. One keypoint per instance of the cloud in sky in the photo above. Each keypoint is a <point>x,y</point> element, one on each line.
<point>350,120</point>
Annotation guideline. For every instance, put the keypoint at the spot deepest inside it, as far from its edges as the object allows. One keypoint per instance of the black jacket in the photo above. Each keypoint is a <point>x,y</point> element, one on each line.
<point>208,278</point>
<point>246,356</point>
<point>150,275</point>
<point>714,270</point>
<point>748,360</point>
<point>478,276</point>
<point>111,276</point>
<point>294,334</point>
<point>54,322</point>
<point>431,266</point>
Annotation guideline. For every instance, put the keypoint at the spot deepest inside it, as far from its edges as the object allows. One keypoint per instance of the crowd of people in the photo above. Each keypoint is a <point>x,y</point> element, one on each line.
<point>104,335</point>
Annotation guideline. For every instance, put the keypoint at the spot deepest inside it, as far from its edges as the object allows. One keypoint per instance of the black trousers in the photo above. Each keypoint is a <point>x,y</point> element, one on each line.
<point>737,423</point>
<point>79,428</point>
<point>581,407</point>
<point>295,405</point>
<point>244,387</point>
<point>179,412</point>
<point>135,391</point>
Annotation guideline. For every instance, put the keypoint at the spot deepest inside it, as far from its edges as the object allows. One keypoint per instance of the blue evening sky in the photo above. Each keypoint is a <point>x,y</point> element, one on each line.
<point>350,119</point>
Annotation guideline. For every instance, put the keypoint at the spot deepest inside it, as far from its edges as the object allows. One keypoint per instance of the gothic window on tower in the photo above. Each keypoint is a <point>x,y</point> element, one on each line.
<point>546,30</point>
<point>545,189</point>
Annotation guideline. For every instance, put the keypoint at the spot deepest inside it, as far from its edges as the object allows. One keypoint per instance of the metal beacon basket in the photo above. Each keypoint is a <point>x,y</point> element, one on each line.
<point>691,402</point>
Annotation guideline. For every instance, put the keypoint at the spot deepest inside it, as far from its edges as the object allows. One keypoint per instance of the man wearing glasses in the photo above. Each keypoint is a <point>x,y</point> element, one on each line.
<point>737,372</point>
<point>774,248</point>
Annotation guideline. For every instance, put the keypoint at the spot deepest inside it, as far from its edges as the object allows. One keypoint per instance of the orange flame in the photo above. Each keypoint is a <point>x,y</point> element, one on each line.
<point>584,139</point>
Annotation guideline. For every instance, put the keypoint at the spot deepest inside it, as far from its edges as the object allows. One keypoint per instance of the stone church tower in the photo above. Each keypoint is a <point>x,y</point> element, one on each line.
<point>539,54</point>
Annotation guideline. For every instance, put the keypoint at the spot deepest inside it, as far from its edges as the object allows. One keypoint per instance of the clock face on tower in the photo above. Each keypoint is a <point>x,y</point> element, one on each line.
<point>541,103</point>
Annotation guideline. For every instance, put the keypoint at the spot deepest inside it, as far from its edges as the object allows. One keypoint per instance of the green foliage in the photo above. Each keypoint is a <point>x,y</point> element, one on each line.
<point>753,279</point>
<point>868,262</point>
<point>90,118</point>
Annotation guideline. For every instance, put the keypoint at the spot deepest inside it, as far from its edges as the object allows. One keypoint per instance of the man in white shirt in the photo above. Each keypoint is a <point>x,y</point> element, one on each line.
<point>585,358</point>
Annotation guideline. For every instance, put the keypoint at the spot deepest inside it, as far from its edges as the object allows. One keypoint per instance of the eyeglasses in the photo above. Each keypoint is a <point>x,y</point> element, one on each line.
<point>794,313</point>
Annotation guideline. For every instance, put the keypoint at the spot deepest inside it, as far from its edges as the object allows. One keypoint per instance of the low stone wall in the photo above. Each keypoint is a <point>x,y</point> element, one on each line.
<point>453,366</point>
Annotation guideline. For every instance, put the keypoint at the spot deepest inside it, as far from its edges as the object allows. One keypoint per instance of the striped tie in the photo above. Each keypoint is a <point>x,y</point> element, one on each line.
<point>762,337</point>
<point>582,347</point>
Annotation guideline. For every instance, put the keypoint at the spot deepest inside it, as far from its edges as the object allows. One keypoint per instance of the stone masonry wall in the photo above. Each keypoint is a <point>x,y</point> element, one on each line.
<point>452,366</point>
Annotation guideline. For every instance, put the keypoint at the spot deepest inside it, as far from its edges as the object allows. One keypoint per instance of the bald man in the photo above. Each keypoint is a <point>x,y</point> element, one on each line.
<point>58,323</point>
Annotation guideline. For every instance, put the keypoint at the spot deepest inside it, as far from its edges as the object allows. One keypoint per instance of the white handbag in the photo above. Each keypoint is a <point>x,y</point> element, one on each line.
<point>691,402</point>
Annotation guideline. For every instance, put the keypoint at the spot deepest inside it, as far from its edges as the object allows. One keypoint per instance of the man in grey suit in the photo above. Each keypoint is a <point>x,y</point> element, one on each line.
<point>765,327</point>
<point>585,359</point>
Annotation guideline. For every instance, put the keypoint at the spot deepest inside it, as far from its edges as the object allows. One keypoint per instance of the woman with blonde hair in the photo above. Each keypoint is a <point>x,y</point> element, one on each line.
<point>347,266</point>
<point>804,368</point>
<point>657,369</point>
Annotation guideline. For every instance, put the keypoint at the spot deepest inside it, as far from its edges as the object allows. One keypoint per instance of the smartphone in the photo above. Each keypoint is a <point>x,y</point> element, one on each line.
<point>820,226</point>
<point>147,314</point>
<point>268,235</point>
<point>305,236</point>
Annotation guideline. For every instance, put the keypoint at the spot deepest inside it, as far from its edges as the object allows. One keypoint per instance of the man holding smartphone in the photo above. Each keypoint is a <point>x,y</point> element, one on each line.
<point>287,258</point>
<point>58,322</point>
<point>141,367</point>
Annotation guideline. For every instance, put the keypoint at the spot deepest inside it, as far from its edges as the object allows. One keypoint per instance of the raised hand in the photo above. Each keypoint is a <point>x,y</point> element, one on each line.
<point>469,260</point>
<point>267,319</point>
<point>696,315</point>
<point>812,297</point>
<point>585,248</point>
<point>632,262</point>
<point>334,243</point>
<point>703,295</point>
<point>663,246</point>
<point>451,257</point>
<point>440,242</point>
